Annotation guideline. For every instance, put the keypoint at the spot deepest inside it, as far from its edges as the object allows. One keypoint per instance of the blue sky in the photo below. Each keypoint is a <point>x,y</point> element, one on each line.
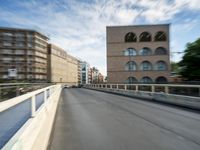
<point>79,26</point>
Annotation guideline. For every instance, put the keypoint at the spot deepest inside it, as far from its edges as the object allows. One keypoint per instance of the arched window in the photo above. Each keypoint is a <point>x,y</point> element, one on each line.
<point>160,51</point>
<point>131,80</point>
<point>161,79</point>
<point>145,37</point>
<point>131,65</point>
<point>146,65</point>
<point>130,37</point>
<point>130,52</point>
<point>146,80</point>
<point>161,65</point>
<point>145,51</point>
<point>160,36</point>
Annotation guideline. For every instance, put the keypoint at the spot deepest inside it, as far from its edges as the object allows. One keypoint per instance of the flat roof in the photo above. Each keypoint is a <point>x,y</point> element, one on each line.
<point>138,25</point>
<point>23,29</point>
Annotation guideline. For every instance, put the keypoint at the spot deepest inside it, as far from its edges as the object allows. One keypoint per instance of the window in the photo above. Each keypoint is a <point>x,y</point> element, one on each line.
<point>7,44</point>
<point>19,52</point>
<point>30,38</point>
<point>130,37</point>
<point>131,65</point>
<point>30,45</point>
<point>160,51</point>
<point>146,80</point>
<point>83,69</point>
<point>146,66</point>
<point>20,44</point>
<point>161,65</point>
<point>145,37</point>
<point>131,80</point>
<point>130,52</point>
<point>19,34</point>
<point>160,36</point>
<point>161,80</point>
<point>7,34</point>
<point>145,51</point>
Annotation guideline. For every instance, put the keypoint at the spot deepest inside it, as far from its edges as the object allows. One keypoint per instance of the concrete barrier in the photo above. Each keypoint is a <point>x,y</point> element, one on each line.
<point>178,100</point>
<point>35,133</point>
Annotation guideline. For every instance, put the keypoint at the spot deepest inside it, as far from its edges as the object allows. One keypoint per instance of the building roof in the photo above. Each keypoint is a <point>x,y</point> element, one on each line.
<point>23,29</point>
<point>141,25</point>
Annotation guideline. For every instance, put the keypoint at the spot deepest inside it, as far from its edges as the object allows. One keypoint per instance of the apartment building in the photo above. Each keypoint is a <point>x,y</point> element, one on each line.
<point>79,71</point>
<point>23,55</point>
<point>95,75</point>
<point>100,78</point>
<point>62,67</point>
<point>138,54</point>
<point>85,70</point>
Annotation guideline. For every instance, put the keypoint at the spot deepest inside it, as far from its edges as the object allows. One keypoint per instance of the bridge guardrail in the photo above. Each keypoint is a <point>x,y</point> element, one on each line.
<point>15,112</point>
<point>10,90</point>
<point>157,92</point>
<point>179,89</point>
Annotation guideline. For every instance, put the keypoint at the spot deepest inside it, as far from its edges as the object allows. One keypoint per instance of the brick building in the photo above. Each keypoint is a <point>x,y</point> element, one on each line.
<point>138,54</point>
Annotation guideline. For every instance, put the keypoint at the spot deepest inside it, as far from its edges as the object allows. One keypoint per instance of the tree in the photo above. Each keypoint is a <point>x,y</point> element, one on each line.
<point>190,64</point>
<point>175,68</point>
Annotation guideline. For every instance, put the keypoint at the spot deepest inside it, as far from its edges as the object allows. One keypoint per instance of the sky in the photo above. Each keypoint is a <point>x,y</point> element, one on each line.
<point>79,26</point>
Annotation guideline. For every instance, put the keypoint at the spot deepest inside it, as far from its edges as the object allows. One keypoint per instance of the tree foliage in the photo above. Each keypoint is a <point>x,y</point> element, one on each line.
<point>175,67</point>
<point>190,64</point>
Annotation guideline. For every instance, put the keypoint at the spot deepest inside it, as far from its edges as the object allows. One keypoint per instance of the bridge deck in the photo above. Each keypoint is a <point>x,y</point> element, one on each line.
<point>91,120</point>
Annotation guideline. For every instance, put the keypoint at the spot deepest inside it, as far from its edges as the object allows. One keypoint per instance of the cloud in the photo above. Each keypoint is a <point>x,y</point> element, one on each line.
<point>80,27</point>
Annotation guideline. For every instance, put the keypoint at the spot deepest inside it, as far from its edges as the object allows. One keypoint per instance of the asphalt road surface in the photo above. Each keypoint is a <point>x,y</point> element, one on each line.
<point>92,120</point>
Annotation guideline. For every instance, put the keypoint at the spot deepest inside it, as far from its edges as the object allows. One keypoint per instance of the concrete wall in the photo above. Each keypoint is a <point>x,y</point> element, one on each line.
<point>179,100</point>
<point>35,133</point>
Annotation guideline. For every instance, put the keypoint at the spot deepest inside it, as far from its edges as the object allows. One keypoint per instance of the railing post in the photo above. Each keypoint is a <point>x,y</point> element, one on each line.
<point>0,93</point>
<point>45,96</point>
<point>33,106</point>
<point>117,86</point>
<point>125,87</point>
<point>166,89</point>
<point>17,91</point>
<point>110,86</point>
<point>136,88</point>
<point>49,91</point>
<point>199,92</point>
<point>152,88</point>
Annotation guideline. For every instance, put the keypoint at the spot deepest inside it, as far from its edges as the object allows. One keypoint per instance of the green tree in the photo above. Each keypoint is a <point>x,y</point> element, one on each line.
<point>190,64</point>
<point>175,67</point>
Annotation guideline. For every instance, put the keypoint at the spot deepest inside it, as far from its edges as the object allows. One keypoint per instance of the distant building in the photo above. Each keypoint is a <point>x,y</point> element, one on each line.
<point>23,55</point>
<point>100,78</point>
<point>62,67</point>
<point>72,70</point>
<point>85,68</point>
<point>138,54</point>
<point>79,71</point>
<point>95,75</point>
<point>90,75</point>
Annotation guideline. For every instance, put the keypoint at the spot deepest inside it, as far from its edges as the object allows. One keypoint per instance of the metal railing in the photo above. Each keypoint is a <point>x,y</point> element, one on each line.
<point>179,89</point>
<point>15,112</point>
<point>10,90</point>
